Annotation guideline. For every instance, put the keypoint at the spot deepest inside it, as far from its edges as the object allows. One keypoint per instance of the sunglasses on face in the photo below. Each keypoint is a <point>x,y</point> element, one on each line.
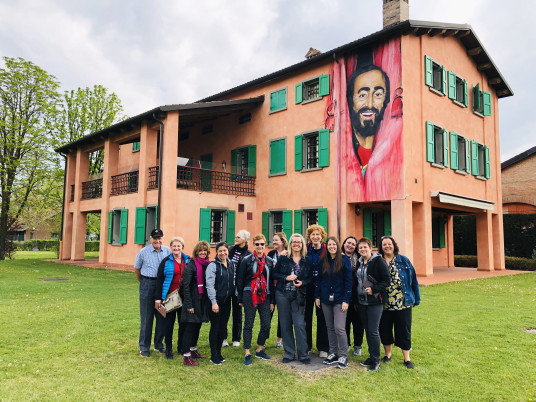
<point>259,244</point>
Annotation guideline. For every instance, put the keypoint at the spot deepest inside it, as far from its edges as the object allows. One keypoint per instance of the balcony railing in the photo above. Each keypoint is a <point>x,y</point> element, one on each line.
<point>193,178</point>
<point>153,178</point>
<point>92,189</point>
<point>125,183</point>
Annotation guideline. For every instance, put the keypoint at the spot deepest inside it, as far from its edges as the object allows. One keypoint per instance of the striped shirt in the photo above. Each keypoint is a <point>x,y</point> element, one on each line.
<point>148,260</point>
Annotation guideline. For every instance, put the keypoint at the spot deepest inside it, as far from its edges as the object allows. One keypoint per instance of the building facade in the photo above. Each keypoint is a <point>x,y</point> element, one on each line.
<point>519,183</point>
<point>394,133</point>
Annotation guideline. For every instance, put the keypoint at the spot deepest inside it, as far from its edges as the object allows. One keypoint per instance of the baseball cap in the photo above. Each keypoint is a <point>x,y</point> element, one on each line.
<point>156,233</point>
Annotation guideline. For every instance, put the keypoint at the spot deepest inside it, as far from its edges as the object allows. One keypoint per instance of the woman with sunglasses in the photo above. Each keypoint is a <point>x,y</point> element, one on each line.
<point>402,294</point>
<point>254,284</point>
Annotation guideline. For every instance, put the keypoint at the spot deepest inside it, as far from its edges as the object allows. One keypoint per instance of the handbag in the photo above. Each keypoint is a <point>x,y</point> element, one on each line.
<point>173,301</point>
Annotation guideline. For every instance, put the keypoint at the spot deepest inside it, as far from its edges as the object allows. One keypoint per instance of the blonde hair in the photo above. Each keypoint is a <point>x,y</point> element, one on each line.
<point>177,238</point>
<point>303,250</point>
<point>314,227</point>
<point>259,236</point>
<point>200,246</point>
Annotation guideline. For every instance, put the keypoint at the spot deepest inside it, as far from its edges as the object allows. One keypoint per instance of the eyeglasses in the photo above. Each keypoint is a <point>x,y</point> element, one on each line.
<point>259,244</point>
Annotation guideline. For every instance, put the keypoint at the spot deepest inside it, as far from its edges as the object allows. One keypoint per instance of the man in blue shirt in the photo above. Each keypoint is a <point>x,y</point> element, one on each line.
<point>146,268</point>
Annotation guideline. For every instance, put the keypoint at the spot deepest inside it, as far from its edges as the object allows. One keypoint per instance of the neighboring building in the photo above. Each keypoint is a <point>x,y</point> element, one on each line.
<point>519,183</point>
<point>413,142</point>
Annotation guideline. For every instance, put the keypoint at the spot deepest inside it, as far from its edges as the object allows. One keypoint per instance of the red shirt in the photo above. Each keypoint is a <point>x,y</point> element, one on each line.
<point>177,275</point>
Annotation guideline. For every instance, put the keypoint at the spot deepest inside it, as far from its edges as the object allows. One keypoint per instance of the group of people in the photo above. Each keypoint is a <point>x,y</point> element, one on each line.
<point>351,289</point>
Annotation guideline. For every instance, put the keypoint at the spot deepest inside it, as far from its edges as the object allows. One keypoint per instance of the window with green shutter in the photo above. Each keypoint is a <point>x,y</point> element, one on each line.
<point>480,160</point>
<point>438,231</point>
<point>459,153</point>
<point>457,89</point>
<point>118,226</point>
<point>278,100</point>
<point>303,218</point>
<point>244,160</point>
<point>139,228</point>
<point>311,90</point>
<point>481,101</point>
<point>376,224</point>
<point>276,221</point>
<point>123,229</point>
<point>217,225</point>
<point>298,224</point>
<point>311,150</point>
<point>435,76</point>
<point>278,156</point>
<point>437,145</point>
<point>135,146</point>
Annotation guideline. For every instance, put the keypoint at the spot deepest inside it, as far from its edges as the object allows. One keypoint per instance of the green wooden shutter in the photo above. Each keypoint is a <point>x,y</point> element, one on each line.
<point>135,146</point>
<point>487,163</point>
<point>277,156</point>
<point>474,158</point>
<point>387,223</point>
<point>204,224</point>
<point>266,225</point>
<point>287,223</point>
<point>465,93</point>
<point>110,226</point>
<point>323,218</point>
<point>430,149</point>
<point>252,160</point>
<point>323,85</point>
<point>444,83</point>
<point>234,157</point>
<point>123,226</point>
<point>445,148</point>
<point>139,228</point>
<point>442,232</point>
<point>428,71</point>
<point>453,150</point>
<point>298,221</point>
<point>298,152</point>
<point>230,232</point>
<point>452,85</point>
<point>273,101</point>
<point>298,93</point>
<point>477,103</point>
<point>467,156</point>
<point>367,223</point>
<point>486,100</point>
<point>323,148</point>
<point>283,99</point>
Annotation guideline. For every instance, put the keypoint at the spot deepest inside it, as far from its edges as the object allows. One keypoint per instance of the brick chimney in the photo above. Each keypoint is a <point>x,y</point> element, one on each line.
<point>395,11</point>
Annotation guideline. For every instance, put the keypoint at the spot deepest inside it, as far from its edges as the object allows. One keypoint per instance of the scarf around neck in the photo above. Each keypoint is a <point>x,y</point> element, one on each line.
<point>200,266</point>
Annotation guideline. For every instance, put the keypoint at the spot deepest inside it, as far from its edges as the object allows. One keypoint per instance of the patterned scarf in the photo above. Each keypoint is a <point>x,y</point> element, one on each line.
<point>200,266</point>
<point>258,282</point>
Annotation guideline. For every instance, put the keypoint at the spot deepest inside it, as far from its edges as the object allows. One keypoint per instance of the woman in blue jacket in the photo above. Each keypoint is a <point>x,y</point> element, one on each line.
<point>333,290</point>
<point>402,294</point>
<point>168,279</point>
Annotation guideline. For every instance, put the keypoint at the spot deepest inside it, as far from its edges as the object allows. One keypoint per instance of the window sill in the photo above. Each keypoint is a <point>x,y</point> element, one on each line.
<point>310,100</point>
<point>459,103</point>
<point>437,165</point>
<point>436,91</point>
<point>311,169</point>
<point>277,174</point>
<point>481,178</point>
<point>478,113</point>
<point>116,244</point>
<point>462,172</point>
<point>278,110</point>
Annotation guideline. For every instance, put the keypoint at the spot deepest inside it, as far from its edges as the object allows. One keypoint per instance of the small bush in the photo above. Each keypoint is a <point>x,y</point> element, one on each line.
<point>49,245</point>
<point>516,263</point>
<point>466,261</point>
<point>92,245</point>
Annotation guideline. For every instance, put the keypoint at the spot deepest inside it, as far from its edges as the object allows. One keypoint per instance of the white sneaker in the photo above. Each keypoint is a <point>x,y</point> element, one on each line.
<point>323,354</point>
<point>279,345</point>
<point>224,343</point>
<point>235,344</point>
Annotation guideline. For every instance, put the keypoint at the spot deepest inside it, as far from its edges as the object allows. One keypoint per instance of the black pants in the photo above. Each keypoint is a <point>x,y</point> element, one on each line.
<point>353,318</point>
<point>218,327</point>
<point>250,312</point>
<point>170,323</point>
<point>191,335</point>
<point>237,321</point>
<point>278,324</point>
<point>400,321</point>
<point>370,316</point>
<point>322,342</point>
<point>147,314</point>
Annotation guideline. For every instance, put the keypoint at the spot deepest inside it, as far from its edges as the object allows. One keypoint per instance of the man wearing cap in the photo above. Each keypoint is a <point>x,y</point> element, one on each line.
<point>146,267</point>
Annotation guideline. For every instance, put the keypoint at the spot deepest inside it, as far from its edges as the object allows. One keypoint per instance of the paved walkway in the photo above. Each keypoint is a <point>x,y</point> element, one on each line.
<point>441,275</point>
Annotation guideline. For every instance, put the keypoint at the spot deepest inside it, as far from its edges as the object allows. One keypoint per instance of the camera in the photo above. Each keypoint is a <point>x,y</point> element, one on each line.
<point>295,281</point>
<point>331,297</point>
<point>259,292</point>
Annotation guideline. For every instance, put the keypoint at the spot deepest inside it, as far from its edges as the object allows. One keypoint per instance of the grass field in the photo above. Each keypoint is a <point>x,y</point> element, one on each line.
<point>24,255</point>
<point>76,339</point>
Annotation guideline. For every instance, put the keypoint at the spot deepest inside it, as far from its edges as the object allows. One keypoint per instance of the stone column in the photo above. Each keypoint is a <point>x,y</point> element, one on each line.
<point>422,238</point>
<point>484,241</point>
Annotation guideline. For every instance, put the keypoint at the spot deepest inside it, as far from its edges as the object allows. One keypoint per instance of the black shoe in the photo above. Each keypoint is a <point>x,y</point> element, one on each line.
<point>144,354</point>
<point>386,359</point>
<point>366,363</point>
<point>160,350</point>
<point>286,360</point>
<point>374,367</point>
<point>169,355</point>
<point>331,359</point>
<point>306,361</point>
<point>409,364</point>
<point>216,362</point>
<point>221,359</point>
<point>343,363</point>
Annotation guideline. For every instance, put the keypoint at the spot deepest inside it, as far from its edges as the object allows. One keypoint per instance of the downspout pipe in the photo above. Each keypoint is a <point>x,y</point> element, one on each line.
<point>161,141</point>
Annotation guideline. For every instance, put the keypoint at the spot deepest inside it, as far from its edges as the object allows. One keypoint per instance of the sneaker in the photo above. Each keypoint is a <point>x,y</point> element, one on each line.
<point>386,359</point>
<point>331,359</point>
<point>196,355</point>
<point>224,343</point>
<point>366,363</point>
<point>189,361</point>
<point>409,364</point>
<point>322,354</point>
<point>357,351</point>
<point>247,360</point>
<point>306,361</point>
<point>169,354</point>
<point>279,345</point>
<point>144,354</point>
<point>374,367</point>
<point>160,350</point>
<point>343,363</point>
<point>262,355</point>
<point>221,359</point>
<point>235,344</point>
<point>286,360</point>
<point>216,362</point>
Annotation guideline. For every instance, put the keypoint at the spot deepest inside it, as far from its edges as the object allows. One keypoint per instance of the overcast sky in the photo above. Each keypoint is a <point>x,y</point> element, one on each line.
<point>159,52</point>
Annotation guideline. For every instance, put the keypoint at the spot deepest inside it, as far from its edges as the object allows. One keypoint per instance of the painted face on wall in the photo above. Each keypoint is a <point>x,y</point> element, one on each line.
<point>368,102</point>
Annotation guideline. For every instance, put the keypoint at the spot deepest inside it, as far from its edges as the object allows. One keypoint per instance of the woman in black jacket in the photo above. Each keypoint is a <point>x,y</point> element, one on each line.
<point>372,281</point>
<point>220,287</point>
<point>195,304</point>
<point>280,243</point>
<point>293,274</point>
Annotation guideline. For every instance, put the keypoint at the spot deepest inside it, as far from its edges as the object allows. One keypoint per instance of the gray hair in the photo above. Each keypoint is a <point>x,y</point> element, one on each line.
<point>177,238</point>
<point>244,234</point>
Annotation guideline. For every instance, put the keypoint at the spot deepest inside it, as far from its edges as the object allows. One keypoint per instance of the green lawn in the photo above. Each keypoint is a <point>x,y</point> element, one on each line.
<point>24,255</point>
<point>77,340</point>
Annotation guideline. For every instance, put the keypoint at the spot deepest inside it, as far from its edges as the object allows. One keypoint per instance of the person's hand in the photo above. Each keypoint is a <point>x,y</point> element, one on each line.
<point>215,308</point>
<point>368,291</point>
<point>290,278</point>
<point>284,252</point>
<point>344,307</point>
<point>240,304</point>
<point>298,283</point>
<point>191,310</point>
<point>317,302</point>
<point>272,307</point>
<point>157,304</point>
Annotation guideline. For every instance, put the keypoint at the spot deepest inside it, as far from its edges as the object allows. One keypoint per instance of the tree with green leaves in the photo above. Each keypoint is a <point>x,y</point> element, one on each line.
<point>28,101</point>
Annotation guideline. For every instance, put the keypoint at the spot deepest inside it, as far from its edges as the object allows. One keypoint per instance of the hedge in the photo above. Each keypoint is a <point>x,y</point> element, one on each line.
<point>516,263</point>
<point>49,245</point>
